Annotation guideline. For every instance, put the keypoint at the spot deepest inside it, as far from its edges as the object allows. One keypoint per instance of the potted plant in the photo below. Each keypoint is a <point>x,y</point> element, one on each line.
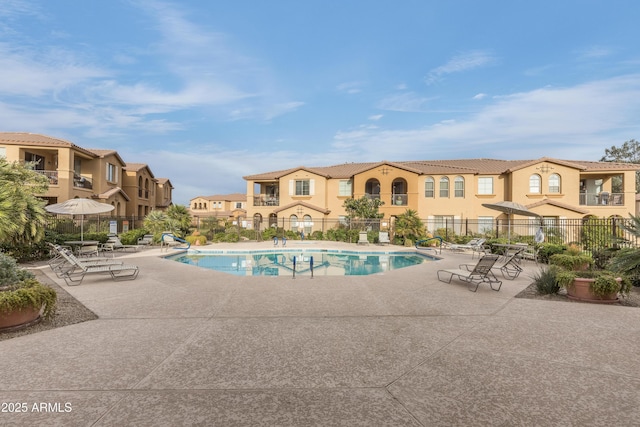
<point>583,284</point>
<point>600,286</point>
<point>23,300</point>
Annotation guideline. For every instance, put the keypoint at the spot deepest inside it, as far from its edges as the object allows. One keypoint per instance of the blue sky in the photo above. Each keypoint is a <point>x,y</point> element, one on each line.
<point>206,92</point>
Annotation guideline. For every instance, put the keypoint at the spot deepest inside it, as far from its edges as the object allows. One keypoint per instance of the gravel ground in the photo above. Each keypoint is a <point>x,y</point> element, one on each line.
<point>71,311</point>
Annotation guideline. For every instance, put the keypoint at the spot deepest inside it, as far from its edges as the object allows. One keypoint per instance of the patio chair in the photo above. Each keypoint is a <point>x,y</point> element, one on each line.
<point>113,244</point>
<point>168,240</point>
<point>74,275</point>
<point>473,244</point>
<point>383,238</point>
<point>480,273</point>
<point>146,240</point>
<point>59,264</point>
<point>510,269</point>
<point>362,238</point>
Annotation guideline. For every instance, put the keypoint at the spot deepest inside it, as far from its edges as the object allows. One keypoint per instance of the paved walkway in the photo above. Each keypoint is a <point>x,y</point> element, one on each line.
<point>186,346</point>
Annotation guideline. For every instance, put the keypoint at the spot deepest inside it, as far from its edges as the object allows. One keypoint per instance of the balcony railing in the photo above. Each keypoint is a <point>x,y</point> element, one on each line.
<point>400,199</point>
<point>372,196</point>
<point>81,181</point>
<point>265,200</point>
<point>602,199</point>
<point>52,176</point>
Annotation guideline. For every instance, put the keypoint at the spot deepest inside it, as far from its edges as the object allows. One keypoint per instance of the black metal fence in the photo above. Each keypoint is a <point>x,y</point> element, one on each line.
<point>590,234</point>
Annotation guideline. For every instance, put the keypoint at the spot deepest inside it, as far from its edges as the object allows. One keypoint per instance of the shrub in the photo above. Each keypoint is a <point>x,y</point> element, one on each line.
<point>547,249</point>
<point>192,239</point>
<point>131,237</point>
<point>546,282</point>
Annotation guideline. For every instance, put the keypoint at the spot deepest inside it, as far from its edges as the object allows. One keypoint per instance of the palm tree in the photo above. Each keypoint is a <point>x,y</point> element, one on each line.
<point>179,219</point>
<point>409,226</point>
<point>627,260</point>
<point>22,213</point>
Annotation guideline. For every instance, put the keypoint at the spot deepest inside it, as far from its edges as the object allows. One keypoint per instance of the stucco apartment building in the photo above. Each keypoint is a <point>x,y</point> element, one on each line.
<point>442,190</point>
<point>221,206</point>
<point>98,174</point>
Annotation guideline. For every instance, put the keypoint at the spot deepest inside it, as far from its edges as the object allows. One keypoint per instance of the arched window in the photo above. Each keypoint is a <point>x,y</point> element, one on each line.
<point>372,189</point>
<point>307,224</point>
<point>458,187</point>
<point>429,187</point>
<point>554,183</point>
<point>293,222</point>
<point>534,184</point>
<point>444,186</point>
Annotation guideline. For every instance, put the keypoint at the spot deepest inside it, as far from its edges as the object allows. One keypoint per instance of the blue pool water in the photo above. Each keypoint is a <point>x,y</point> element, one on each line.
<point>325,263</point>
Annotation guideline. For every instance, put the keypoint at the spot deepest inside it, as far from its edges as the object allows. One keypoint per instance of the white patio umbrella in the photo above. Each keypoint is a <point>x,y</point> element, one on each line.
<point>510,208</point>
<point>80,207</point>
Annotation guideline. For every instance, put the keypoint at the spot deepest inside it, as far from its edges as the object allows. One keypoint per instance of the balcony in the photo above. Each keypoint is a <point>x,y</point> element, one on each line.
<point>400,199</point>
<point>52,176</point>
<point>266,200</point>
<point>81,181</point>
<point>602,199</point>
<point>374,196</point>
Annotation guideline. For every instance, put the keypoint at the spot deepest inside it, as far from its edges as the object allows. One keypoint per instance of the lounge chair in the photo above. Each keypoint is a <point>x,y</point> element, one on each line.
<point>480,273</point>
<point>59,263</point>
<point>363,239</point>
<point>383,238</point>
<point>473,245</point>
<point>168,240</point>
<point>146,240</point>
<point>510,269</point>
<point>74,275</point>
<point>113,244</point>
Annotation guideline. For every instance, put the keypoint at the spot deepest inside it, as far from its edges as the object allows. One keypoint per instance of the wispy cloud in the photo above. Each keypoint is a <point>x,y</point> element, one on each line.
<point>404,102</point>
<point>376,117</point>
<point>460,63</point>
<point>206,73</point>
<point>568,122</point>
<point>350,87</point>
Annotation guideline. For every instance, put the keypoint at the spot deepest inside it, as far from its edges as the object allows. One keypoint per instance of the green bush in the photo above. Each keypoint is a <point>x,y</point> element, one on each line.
<point>131,237</point>
<point>546,282</point>
<point>192,239</point>
<point>546,250</point>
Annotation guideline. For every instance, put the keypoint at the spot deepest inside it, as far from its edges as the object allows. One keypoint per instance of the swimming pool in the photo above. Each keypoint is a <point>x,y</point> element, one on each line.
<point>324,263</point>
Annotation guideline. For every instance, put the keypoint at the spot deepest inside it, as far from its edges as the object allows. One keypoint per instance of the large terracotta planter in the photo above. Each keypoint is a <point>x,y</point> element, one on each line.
<point>580,291</point>
<point>19,318</point>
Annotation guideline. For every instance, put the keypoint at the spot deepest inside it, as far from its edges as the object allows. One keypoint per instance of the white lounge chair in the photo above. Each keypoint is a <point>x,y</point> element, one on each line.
<point>480,273</point>
<point>74,275</point>
<point>113,244</point>
<point>363,239</point>
<point>383,238</point>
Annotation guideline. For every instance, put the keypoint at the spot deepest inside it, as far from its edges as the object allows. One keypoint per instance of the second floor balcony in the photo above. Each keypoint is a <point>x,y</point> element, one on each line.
<point>603,198</point>
<point>265,200</point>
<point>52,176</point>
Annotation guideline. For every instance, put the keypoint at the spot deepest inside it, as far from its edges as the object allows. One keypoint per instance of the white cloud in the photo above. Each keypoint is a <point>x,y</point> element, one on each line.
<point>405,102</point>
<point>460,63</point>
<point>480,96</point>
<point>376,117</point>
<point>350,87</point>
<point>573,122</point>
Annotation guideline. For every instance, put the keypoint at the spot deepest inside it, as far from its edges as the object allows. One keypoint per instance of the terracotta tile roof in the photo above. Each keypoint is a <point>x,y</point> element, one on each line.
<point>439,167</point>
<point>104,153</point>
<point>34,139</point>
<point>557,204</point>
<point>137,167</point>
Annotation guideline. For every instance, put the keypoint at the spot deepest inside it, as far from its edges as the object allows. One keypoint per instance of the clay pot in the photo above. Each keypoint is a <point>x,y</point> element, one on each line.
<point>580,291</point>
<point>19,318</point>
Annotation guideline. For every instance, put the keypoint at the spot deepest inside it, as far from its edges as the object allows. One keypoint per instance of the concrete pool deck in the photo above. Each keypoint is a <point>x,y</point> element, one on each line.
<point>182,345</point>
